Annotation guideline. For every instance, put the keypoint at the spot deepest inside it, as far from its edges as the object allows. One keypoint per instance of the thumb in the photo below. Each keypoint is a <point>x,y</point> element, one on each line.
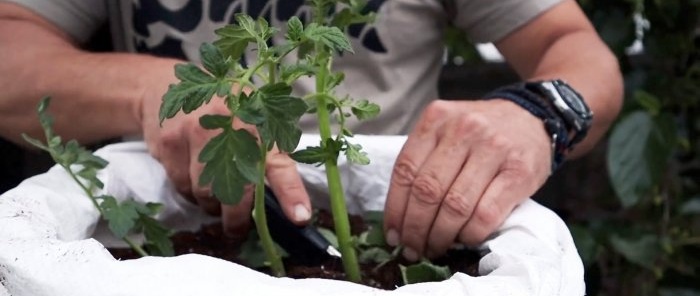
<point>285,182</point>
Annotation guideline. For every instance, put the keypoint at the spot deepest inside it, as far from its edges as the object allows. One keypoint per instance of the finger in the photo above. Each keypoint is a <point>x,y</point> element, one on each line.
<point>415,151</point>
<point>286,183</point>
<point>197,139</point>
<point>499,199</point>
<point>462,197</point>
<point>429,187</point>
<point>236,218</point>
<point>174,155</point>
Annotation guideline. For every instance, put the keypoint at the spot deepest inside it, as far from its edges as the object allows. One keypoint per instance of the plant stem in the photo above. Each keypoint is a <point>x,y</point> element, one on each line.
<point>335,188</point>
<point>261,219</point>
<point>88,192</point>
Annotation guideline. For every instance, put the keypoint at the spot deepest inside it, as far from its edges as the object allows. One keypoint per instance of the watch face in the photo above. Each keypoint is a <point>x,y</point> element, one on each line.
<point>573,99</point>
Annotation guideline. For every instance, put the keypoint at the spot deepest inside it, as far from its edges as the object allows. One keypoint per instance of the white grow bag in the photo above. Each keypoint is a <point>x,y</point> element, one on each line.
<point>51,243</point>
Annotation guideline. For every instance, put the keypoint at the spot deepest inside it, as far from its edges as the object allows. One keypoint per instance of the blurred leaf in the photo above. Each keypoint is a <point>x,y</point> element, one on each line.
<point>374,255</point>
<point>650,102</point>
<point>121,217</point>
<point>691,207</point>
<point>643,251</point>
<point>330,236</point>
<point>424,272</point>
<point>585,243</point>
<point>637,155</point>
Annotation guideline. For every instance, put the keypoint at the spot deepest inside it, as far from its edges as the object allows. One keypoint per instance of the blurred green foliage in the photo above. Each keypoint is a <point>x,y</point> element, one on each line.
<point>649,242</point>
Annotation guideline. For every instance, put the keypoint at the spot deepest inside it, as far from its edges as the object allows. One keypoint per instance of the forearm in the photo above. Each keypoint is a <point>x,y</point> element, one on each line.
<point>95,96</point>
<point>562,44</point>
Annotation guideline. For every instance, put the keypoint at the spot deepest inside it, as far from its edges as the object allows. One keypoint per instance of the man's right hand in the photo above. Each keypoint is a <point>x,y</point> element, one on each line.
<point>177,144</point>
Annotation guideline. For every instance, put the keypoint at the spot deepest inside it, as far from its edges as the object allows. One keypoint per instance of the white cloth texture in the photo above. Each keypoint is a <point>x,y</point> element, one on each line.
<point>48,247</point>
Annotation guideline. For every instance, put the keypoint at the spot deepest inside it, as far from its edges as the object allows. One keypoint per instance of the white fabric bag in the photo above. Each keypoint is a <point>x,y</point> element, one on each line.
<point>51,243</point>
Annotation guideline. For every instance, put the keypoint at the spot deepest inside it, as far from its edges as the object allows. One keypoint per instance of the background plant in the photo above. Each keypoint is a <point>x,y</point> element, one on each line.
<point>123,218</point>
<point>262,98</point>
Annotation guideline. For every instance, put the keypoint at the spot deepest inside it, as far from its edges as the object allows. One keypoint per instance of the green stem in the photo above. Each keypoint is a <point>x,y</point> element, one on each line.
<point>261,220</point>
<point>340,213</point>
<point>87,191</point>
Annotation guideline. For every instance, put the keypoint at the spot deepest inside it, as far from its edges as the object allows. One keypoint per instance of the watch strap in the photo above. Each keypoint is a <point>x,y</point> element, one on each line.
<point>537,106</point>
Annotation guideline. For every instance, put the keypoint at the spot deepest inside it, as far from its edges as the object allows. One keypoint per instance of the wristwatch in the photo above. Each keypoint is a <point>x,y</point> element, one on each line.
<point>569,104</point>
<point>564,112</point>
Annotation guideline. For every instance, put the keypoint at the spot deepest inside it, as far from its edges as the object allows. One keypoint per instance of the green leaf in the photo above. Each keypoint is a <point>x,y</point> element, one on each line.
<point>210,122</point>
<point>424,272</point>
<point>230,163</point>
<point>585,243</point>
<point>213,60</point>
<point>374,255</point>
<point>291,73</point>
<point>252,252</point>
<point>157,237</point>
<point>295,29</point>
<point>349,16</point>
<point>332,37</point>
<point>121,217</point>
<point>195,89</point>
<point>34,142</point>
<point>311,155</point>
<point>638,153</point>
<point>650,102</point>
<point>329,236</point>
<point>355,155</point>
<point>691,207</point>
<point>643,251</point>
<point>233,40</point>
<point>363,109</point>
<point>281,112</point>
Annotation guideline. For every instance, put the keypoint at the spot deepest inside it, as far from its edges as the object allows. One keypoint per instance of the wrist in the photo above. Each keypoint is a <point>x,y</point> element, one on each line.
<point>562,111</point>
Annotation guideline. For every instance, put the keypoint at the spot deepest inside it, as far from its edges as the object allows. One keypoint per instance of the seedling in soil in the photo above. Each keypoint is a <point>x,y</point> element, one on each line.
<point>236,157</point>
<point>123,218</point>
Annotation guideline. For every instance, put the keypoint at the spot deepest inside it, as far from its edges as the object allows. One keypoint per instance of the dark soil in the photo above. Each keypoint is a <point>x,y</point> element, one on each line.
<point>211,241</point>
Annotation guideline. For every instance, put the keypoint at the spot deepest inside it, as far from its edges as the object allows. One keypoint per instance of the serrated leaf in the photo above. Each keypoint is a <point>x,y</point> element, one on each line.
<point>195,89</point>
<point>157,237</point>
<point>210,121</point>
<point>424,272</point>
<point>311,155</point>
<point>213,60</point>
<point>291,73</point>
<point>295,29</point>
<point>121,218</point>
<point>639,150</point>
<point>364,109</point>
<point>230,163</point>
<point>281,112</point>
<point>332,37</point>
<point>233,40</point>
<point>643,251</point>
<point>355,155</point>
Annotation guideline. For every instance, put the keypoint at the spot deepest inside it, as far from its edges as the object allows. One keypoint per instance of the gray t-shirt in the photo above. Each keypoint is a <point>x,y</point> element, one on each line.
<point>396,63</point>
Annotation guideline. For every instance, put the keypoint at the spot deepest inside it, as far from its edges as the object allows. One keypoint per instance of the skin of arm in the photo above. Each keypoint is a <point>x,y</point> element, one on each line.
<point>98,96</point>
<point>435,199</point>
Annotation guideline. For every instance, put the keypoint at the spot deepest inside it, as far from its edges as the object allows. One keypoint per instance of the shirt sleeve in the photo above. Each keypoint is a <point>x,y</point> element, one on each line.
<point>78,18</point>
<point>490,20</point>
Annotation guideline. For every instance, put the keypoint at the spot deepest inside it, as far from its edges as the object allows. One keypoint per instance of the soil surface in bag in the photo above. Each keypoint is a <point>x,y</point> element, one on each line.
<point>210,240</point>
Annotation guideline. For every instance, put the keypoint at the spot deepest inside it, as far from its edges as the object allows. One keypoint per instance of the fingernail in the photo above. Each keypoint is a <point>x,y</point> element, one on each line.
<point>410,254</point>
<point>392,238</point>
<point>301,213</point>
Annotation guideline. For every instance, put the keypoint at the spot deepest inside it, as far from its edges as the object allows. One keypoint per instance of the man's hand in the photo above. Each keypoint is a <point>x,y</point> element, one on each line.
<point>177,145</point>
<point>461,172</point>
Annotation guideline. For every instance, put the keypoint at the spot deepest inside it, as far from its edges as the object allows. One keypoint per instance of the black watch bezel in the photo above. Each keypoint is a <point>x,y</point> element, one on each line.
<point>569,105</point>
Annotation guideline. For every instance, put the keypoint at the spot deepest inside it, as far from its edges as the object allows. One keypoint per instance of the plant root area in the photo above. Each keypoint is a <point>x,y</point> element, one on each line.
<point>210,240</point>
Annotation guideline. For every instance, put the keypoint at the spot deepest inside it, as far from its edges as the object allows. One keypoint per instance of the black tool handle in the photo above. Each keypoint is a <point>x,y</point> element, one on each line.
<point>303,243</point>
